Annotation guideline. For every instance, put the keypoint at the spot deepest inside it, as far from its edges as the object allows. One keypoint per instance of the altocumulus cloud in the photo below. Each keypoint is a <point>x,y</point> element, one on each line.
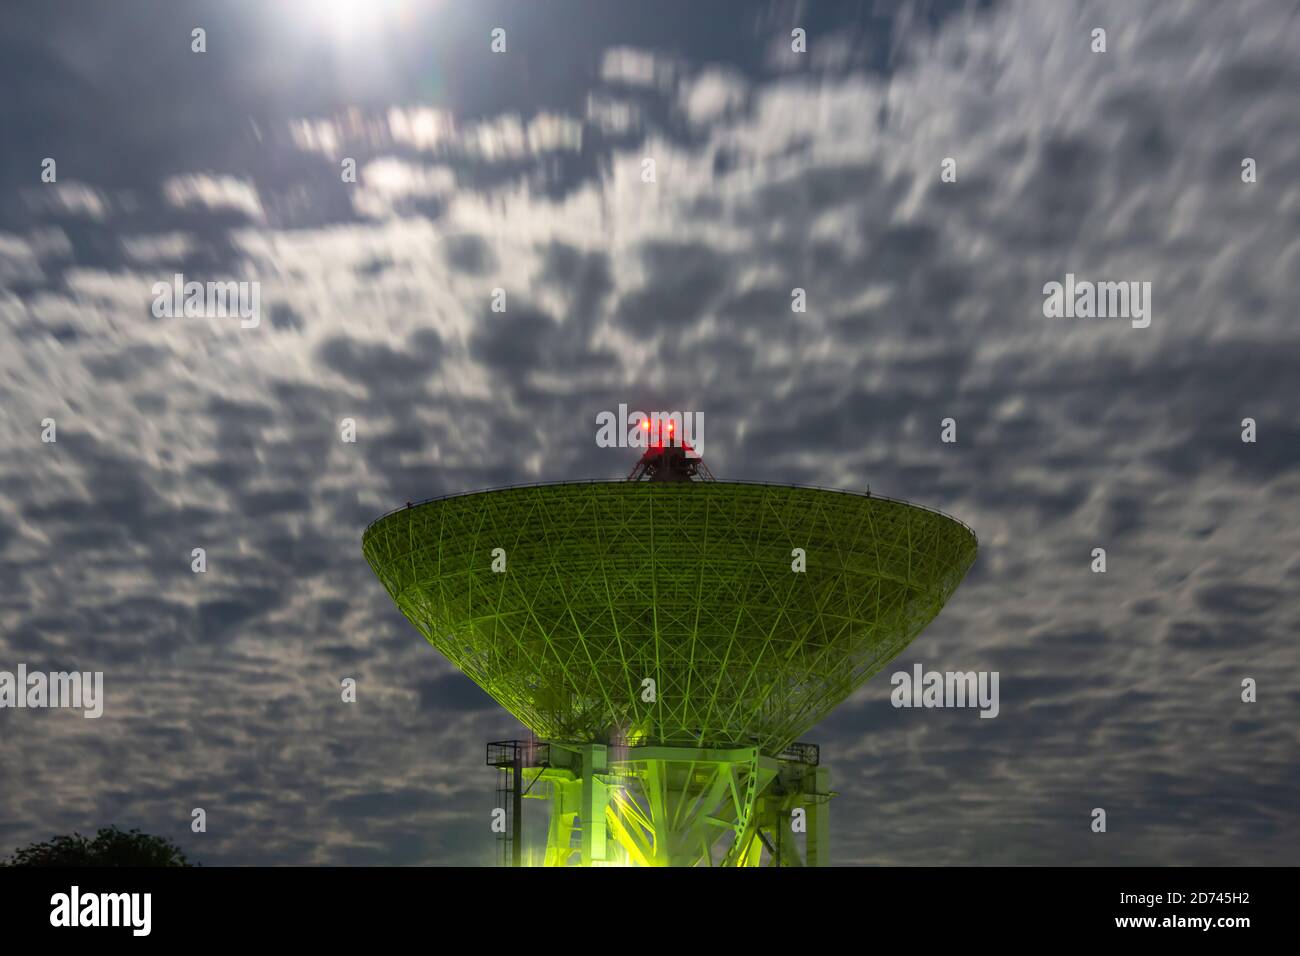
<point>924,302</point>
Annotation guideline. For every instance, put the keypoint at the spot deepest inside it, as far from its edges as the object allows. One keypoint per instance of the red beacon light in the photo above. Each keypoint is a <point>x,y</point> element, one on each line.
<point>666,459</point>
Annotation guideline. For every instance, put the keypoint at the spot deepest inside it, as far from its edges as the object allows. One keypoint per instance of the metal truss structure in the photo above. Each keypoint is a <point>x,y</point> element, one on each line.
<point>671,613</point>
<point>669,806</point>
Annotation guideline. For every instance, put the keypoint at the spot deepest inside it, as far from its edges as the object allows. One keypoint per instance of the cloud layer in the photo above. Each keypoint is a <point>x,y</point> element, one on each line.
<point>524,172</point>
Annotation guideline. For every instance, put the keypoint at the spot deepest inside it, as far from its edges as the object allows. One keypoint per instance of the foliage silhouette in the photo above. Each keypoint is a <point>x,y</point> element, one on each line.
<point>110,847</point>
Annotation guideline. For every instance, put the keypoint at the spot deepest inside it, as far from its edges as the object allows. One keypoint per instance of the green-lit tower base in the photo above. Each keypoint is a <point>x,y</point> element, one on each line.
<point>669,806</point>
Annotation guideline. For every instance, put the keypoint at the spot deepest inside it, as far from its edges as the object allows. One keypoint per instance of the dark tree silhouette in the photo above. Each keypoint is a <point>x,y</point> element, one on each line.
<point>110,847</point>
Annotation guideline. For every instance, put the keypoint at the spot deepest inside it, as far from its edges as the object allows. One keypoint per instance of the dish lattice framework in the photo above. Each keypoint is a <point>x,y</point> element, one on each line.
<point>690,585</point>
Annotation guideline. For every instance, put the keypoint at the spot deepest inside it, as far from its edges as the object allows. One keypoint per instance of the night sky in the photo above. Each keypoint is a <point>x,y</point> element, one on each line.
<point>774,170</point>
